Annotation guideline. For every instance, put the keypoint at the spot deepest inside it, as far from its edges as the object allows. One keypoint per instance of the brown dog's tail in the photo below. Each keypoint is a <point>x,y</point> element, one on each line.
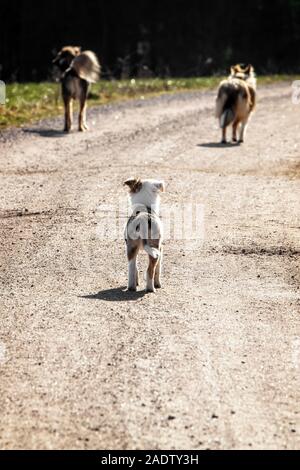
<point>87,66</point>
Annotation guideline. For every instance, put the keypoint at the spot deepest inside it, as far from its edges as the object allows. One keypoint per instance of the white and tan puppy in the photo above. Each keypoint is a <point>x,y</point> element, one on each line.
<point>144,231</point>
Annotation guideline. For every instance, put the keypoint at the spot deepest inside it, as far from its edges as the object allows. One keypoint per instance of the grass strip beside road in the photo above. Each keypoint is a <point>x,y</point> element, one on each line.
<point>29,102</point>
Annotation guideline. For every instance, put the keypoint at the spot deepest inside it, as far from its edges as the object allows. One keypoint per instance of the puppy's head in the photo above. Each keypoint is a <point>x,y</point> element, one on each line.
<point>242,72</point>
<point>65,57</point>
<point>145,192</point>
<point>137,185</point>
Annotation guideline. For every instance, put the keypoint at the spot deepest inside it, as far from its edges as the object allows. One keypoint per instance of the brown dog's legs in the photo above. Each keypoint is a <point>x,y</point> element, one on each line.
<point>68,113</point>
<point>151,273</point>
<point>82,115</point>
<point>82,126</point>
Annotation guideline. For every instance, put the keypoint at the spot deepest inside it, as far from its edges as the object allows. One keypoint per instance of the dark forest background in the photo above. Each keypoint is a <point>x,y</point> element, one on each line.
<point>151,37</point>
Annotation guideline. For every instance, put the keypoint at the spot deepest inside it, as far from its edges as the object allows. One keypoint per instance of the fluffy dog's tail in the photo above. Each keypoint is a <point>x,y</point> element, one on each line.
<point>87,67</point>
<point>226,104</point>
<point>227,118</point>
<point>152,251</point>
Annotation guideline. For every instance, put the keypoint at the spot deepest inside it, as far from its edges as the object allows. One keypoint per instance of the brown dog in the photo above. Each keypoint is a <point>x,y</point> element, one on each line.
<point>79,69</point>
<point>236,101</point>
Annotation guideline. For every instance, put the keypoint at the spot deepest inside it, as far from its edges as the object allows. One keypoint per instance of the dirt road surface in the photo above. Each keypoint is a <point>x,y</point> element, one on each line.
<point>212,360</point>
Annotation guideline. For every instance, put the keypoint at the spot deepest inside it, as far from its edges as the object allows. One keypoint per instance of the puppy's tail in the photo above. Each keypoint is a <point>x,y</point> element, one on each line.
<point>152,251</point>
<point>87,66</point>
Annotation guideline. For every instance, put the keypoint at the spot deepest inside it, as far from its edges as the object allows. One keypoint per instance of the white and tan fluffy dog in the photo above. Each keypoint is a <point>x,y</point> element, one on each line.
<point>144,231</point>
<point>236,101</point>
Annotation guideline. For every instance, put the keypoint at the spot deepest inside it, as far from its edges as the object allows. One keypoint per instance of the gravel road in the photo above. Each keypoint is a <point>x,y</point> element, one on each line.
<point>212,360</point>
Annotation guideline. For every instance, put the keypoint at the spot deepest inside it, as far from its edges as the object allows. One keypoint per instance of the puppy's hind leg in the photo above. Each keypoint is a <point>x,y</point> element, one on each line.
<point>133,280</point>
<point>151,273</point>
<point>157,276</point>
<point>68,103</point>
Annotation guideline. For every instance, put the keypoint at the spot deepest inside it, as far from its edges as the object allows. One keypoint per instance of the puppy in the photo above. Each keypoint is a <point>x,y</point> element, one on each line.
<point>236,101</point>
<point>79,70</point>
<point>144,231</point>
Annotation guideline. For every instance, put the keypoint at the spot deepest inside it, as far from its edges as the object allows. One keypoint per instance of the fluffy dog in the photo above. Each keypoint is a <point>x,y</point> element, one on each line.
<point>79,69</point>
<point>144,231</point>
<point>236,101</point>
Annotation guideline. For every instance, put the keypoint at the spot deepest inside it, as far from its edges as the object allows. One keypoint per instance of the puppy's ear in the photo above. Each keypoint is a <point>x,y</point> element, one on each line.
<point>233,70</point>
<point>249,69</point>
<point>130,182</point>
<point>134,184</point>
<point>160,185</point>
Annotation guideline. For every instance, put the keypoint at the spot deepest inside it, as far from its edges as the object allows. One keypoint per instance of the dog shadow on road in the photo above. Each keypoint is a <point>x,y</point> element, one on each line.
<point>218,145</point>
<point>45,132</point>
<point>116,295</point>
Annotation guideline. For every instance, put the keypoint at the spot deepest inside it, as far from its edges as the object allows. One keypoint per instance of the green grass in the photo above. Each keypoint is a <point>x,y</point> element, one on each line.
<point>27,103</point>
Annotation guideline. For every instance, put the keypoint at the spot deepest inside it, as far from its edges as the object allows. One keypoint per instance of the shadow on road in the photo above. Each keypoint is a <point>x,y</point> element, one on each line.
<point>115,295</point>
<point>45,132</point>
<point>218,145</point>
